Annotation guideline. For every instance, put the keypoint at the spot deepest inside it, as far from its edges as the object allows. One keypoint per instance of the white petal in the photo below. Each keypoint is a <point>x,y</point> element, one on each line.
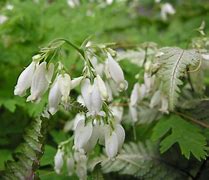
<point>54,98</point>
<point>86,91</point>
<point>155,99</point>
<point>134,95</point>
<point>133,112</point>
<point>120,134</point>
<point>96,100</point>
<point>111,145</point>
<point>64,85</point>
<point>82,134</point>
<point>58,161</point>
<point>76,81</point>
<point>25,79</point>
<point>102,87</point>
<point>70,166</point>
<point>164,105</point>
<point>117,112</point>
<point>49,72</point>
<point>93,139</point>
<point>114,69</point>
<point>39,83</point>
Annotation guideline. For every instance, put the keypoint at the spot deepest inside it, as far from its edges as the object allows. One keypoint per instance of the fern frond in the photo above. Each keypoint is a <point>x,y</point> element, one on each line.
<point>174,63</point>
<point>140,160</point>
<point>28,154</point>
<point>77,107</point>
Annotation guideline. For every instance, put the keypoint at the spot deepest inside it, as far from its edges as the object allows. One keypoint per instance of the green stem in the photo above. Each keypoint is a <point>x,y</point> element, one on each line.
<point>72,45</point>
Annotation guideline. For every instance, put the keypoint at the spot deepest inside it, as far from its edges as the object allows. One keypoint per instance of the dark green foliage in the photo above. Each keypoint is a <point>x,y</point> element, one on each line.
<point>173,130</point>
<point>27,155</point>
<point>141,160</point>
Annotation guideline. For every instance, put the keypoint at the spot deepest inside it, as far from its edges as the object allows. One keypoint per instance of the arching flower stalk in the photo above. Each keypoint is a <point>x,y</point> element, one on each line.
<point>100,124</point>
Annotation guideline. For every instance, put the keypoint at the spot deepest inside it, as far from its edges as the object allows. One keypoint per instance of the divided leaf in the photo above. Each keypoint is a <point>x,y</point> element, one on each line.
<point>28,154</point>
<point>173,64</point>
<point>176,130</point>
<point>140,160</point>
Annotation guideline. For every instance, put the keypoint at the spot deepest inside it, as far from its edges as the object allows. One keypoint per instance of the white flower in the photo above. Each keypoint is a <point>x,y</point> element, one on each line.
<point>167,9</point>
<point>205,56</point>
<point>116,73</point>
<point>133,112</point>
<point>155,100</point>
<point>109,1</point>
<point>70,165</point>
<point>40,81</point>
<point>102,87</point>
<point>73,3</point>
<point>3,19</point>
<point>64,82</point>
<point>81,164</point>
<point>148,81</point>
<point>120,134</point>
<point>76,81</point>
<point>91,97</point>
<point>82,134</point>
<point>59,92</point>
<point>117,112</point>
<point>164,105</point>
<point>93,139</point>
<point>58,161</point>
<point>9,7</point>
<point>111,144</point>
<point>54,97</point>
<point>134,95</point>
<point>25,79</point>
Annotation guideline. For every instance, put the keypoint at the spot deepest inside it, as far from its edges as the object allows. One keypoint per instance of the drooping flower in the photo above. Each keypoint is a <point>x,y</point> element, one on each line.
<point>155,100</point>
<point>134,95</point>
<point>91,97</point>
<point>40,81</point>
<point>25,79</point>
<point>73,3</point>
<point>70,165</point>
<point>116,73</point>
<point>76,81</point>
<point>81,164</point>
<point>167,9</point>
<point>102,87</point>
<point>120,132</point>
<point>82,134</point>
<point>117,112</point>
<point>3,19</point>
<point>58,161</point>
<point>64,82</point>
<point>111,144</point>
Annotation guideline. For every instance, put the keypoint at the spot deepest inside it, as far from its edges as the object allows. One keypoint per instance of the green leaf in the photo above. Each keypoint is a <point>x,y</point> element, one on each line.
<point>27,155</point>
<point>176,130</point>
<point>173,64</point>
<point>139,159</point>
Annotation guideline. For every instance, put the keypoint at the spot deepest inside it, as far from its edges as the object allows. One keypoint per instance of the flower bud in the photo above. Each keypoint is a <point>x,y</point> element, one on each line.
<point>120,135</point>
<point>40,81</point>
<point>58,161</point>
<point>82,134</point>
<point>70,165</point>
<point>54,97</point>
<point>111,144</point>
<point>64,82</point>
<point>155,99</point>
<point>134,95</point>
<point>102,87</point>
<point>116,73</point>
<point>25,79</point>
<point>76,81</point>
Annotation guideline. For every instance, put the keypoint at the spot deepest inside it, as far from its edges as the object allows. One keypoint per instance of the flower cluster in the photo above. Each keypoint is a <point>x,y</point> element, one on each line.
<point>99,81</point>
